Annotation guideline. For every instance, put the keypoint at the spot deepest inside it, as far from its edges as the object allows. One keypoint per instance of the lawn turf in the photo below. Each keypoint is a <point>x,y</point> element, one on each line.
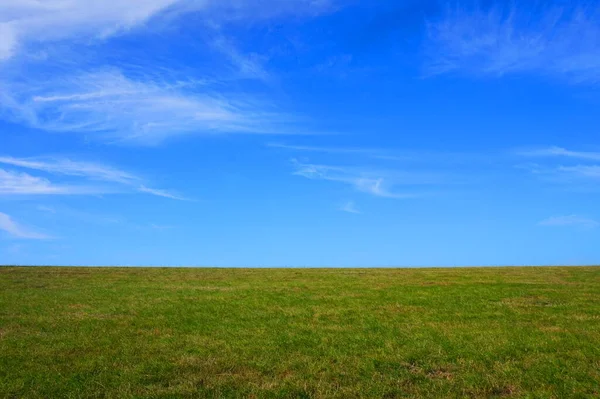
<point>526,332</point>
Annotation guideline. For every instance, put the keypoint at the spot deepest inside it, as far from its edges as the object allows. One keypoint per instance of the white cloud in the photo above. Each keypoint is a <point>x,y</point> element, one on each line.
<point>22,183</point>
<point>160,193</point>
<point>579,177</point>
<point>23,21</point>
<point>327,150</point>
<point>571,220</point>
<point>72,168</point>
<point>7,42</point>
<point>392,154</point>
<point>561,152</point>
<point>498,41</point>
<point>15,183</point>
<point>33,21</point>
<point>364,181</point>
<point>248,65</point>
<point>147,110</point>
<point>349,207</point>
<point>586,171</point>
<point>8,225</point>
<point>132,100</point>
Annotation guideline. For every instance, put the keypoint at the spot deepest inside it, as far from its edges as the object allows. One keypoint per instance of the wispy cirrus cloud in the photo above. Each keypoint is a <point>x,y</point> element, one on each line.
<point>72,168</point>
<point>570,220</point>
<point>558,40</point>
<point>585,171</point>
<point>555,151</point>
<point>248,65</point>
<point>349,207</point>
<point>328,150</point>
<point>8,225</point>
<point>365,181</point>
<point>392,154</point>
<point>24,22</point>
<point>161,193</point>
<point>123,98</point>
<point>574,167</point>
<point>144,110</point>
<point>20,183</point>
<point>23,183</point>
<point>580,178</point>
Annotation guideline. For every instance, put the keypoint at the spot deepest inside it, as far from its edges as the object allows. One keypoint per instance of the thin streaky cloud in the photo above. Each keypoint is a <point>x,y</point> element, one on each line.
<point>128,103</point>
<point>349,207</point>
<point>560,152</point>
<point>10,226</point>
<point>145,110</point>
<point>374,153</point>
<point>67,167</point>
<point>585,171</point>
<point>71,168</point>
<point>364,181</point>
<point>248,66</point>
<point>329,150</point>
<point>54,20</point>
<point>19,183</point>
<point>161,193</point>
<point>44,208</point>
<point>33,22</point>
<point>8,41</point>
<point>572,178</point>
<point>391,154</point>
<point>496,41</point>
<point>570,220</point>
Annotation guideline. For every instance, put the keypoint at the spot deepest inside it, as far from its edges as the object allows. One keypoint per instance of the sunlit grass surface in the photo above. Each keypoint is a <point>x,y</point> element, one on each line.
<point>300,333</point>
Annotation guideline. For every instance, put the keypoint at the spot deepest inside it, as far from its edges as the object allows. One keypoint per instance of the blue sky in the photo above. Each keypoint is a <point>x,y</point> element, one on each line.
<point>299,132</point>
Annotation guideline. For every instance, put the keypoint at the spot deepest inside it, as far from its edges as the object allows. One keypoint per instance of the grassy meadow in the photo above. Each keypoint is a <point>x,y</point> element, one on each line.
<point>299,333</point>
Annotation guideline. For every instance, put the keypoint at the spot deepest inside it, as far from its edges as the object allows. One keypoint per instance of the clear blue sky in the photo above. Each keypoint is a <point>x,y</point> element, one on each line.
<point>299,132</point>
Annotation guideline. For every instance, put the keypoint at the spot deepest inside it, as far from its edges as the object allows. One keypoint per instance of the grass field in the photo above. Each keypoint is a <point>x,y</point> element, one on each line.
<point>300,333</point>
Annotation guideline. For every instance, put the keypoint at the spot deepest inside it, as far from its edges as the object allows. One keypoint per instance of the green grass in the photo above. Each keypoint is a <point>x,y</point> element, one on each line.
<point>300,333</point>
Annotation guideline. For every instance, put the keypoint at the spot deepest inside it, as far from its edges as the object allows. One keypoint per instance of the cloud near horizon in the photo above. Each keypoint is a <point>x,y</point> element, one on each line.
<point>8,225</point>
